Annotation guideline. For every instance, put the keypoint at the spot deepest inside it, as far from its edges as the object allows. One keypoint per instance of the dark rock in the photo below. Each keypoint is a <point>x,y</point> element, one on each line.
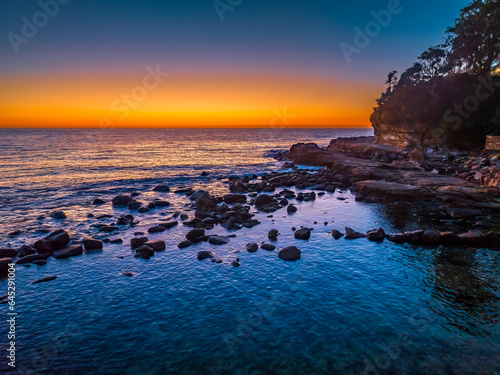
<point>218,240</point>
<point>156,245</point>
<point>430,237</point>
<point>450,238</point>
<point>204,254</point>
<point>45,279</point>
<point>397,237</point>
<point>40,262</point>
<point>336,234</point>
<point>184,244</point>
<point>169,224</point>
<point>414,236</point>
<point>136,242</point>
<point>8,253</point>
<point>144,251</point>
<point>289,253</point>
<point>351,234</point>
<point>494,239</point>
<point>31,258</point>
<point>98,202</point>
<point>273,235</point>
<point>252,247</point>
<point>58,215</point>
<point>268,247</point>
<point>162,189</point>
<point>134,205</point>
<point>54,241</point>
<point>205,202</point>
<point>204,174</point>
<point>263,200</point>
<point>26,250</point>
<point>68,252</point>
<point>235,263</point>
<point>235,198</point>
<point>303,234</point>
<point>474,238</point>
<point>121,200</point>
<point>4,266</point>
<point>377,235</point>
<point>194,234</point>
<point>108,228</point>
<point>291,209</point>
<point>91,244</point>
<point>116,241</point>
<point>157,229</point>
<point>160,203</point>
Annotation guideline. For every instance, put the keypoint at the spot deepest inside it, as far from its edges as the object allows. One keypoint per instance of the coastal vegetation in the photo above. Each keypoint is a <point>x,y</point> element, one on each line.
<point>451,95</point>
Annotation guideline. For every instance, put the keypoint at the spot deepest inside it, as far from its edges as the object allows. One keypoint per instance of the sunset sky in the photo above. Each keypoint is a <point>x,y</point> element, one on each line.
<point>266,63</point>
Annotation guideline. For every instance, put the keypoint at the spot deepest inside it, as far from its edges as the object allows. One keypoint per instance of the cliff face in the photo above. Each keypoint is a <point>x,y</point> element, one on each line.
<point>402,136</point>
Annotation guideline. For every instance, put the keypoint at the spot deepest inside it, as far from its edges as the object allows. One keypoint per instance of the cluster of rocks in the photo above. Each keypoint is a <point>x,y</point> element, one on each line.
<point>483,170</point>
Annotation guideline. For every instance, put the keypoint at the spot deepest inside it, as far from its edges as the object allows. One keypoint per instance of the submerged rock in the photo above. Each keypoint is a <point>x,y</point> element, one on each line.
<point>58,215</point>
<point>204,254</point>
<point>32,258</point>
<point>289,253</point>
<point>121,200</point>
<point>68,252</point>
<point>45,279</point>
<point>162,189</point>
<point>218,240</point>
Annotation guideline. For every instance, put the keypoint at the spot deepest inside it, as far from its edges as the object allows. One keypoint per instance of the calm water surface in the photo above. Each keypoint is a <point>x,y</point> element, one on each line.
<point>347,307</point>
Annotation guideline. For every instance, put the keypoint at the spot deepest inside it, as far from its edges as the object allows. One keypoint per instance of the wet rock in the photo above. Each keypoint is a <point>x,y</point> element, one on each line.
<point>58,215</point>
<point>377,235</point>
<point>125,220</point>
<point>8,253</point>
<point>218,240</point>
<point>252,247</point>
<point>430,237</point>
<point>98,202</point>
<point>397,237</point>
<point>144,251</point>
<point>291,209</point>
<point>237,186</point>
<point>134,205</point>
<point>414,236</point>
<point>26,250</point>
<point>268,247</point>
<point>235,198</point>
<point>263,200</point>
<point>116,241</point>
<point>121,200</point>
<point>273,235</point>
<point>157,229</point>
<point>449,238</point>
<point>4,267</point>
<point>474,238</point>
<point>194,234</point>
<point>289,253</point>
<point>235,263</point>
<point>54,241</point>
<point>108,228</point>
<point>184,244</point>
<point>162,189</point>
<point>40,262</point>
<point>303,234</point>
<point>92,244</point>
<point>351,234</point>
<point>68,252</point>
<point>32,258</point>
<point>169,225</point>
<point>156,245</point>
<point>204,254</point>
<point>336,234</point>
<point>136,242</point>
<point>45,279</point>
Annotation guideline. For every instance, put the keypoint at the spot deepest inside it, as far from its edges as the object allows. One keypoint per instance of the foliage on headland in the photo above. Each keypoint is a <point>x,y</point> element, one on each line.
<point>451,95</point>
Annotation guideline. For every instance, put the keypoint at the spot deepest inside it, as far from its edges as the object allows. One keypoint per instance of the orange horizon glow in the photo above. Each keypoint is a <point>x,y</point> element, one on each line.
<point>186,99</point>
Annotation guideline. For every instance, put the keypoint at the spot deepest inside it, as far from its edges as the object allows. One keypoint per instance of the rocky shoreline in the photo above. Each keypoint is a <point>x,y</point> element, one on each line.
<point>454,197</point>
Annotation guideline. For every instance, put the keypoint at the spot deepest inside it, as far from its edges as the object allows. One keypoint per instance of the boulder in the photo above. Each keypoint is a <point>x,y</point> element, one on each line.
<point>144,251</point>
<point>430,237</point>
<point>235,263</point>
<point>377,235</point>
<point>218,240</point>
<point>205,202</point>
<point>91,244</point>
<point>194,234</point>
<point>291,209</point>
<point>134,205</point>
<point>268,247</point>
<point>396,237</point>
<point>32,258</point>
<point>26,250</point>
<point>162,189</point>
<point>156,245</point>
<point>169,224</point>
<point>58,215</point>
<point>136,242</point>
<point>252,247</point>
<point>157,229</point>
<point>263,200</point>
<point>414,236</point>
<point>121,200</point>
<point>351,234</point>
<point>68,252</point>
<point>303,234</point>
<point>449,238</point>
<point>8,253</point>
<point>273,235</point>
<point>336,234</point>
<point>474,238</point>
<point>184,244</point>
<point>4,266</point>
<point>98,202</point>
<point>289,253</point>
<point>234,198</point>
<point>204,254</point>
<point>54,241</point>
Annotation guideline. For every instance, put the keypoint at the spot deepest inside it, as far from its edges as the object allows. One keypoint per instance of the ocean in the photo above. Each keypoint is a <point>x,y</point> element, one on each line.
<point>347,307</point>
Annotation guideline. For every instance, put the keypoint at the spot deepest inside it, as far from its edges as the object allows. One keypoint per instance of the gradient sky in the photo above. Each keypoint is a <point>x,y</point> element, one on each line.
<point>268,63</point>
